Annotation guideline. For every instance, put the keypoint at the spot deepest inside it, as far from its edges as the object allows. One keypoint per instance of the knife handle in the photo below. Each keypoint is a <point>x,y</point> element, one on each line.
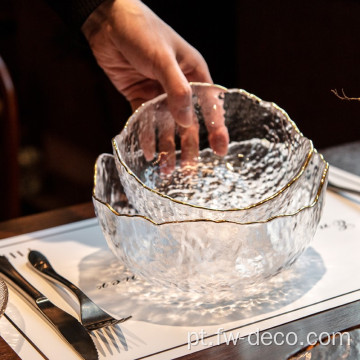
<point>19,282</point>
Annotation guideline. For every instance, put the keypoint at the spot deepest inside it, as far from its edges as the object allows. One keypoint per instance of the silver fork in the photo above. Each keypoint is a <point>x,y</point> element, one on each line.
<point>91,315</point>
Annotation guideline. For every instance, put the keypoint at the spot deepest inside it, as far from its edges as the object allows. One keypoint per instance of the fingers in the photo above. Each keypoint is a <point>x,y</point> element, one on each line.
<point>142,91</point>
<point>147,140</point>
<point>189,144</point>
<point>174,77</point>
<point>165,125</point>
<point>139,94</point>
<point>180,105</point>
<point>157,134</point>
<point>211,103</point>
<point>178,92</point>
<point>167,155</point>
<point>174,71</point>
<point>195,69</point>
<point>219,140</point>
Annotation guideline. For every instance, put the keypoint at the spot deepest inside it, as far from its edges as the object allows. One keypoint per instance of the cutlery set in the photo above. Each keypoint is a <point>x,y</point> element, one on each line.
<point>75,333</point>
<point>92,316</point>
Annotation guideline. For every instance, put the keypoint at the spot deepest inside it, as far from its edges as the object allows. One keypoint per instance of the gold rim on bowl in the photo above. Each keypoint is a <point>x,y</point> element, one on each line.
<point>317,196</point>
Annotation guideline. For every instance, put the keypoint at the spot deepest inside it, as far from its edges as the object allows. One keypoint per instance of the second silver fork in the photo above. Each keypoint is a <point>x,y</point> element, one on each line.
<point>91,315</point>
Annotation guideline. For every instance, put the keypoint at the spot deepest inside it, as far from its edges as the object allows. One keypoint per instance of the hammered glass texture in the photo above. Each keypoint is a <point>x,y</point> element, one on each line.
<point>3,296</point>
<point>266,153</point>
<point>202,256</point>
<point>345,345</point>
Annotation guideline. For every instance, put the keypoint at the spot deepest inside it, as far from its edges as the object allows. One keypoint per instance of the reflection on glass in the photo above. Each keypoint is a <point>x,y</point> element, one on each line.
<point>340,345</point>
<point>3,296</point>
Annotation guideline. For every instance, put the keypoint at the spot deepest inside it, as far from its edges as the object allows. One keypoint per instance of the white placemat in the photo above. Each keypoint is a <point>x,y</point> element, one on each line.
<point>325,276</point>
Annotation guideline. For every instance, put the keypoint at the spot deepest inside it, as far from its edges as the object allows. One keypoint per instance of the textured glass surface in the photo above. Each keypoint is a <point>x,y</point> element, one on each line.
<point>3,296</point>
<point>342,345</point>
<point>266,153</point>
<point>200,255</point>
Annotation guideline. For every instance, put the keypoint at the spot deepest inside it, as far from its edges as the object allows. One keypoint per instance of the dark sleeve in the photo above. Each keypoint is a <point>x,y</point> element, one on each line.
<point>74,12</point>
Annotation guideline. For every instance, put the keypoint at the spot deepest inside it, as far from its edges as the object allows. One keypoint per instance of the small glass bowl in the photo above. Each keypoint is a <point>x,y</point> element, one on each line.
<point>4,296</point>
<point>200,255</point>
<point>267,154</point>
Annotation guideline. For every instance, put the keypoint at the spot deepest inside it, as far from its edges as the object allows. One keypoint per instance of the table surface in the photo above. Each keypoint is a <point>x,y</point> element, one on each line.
<point>333,320</point>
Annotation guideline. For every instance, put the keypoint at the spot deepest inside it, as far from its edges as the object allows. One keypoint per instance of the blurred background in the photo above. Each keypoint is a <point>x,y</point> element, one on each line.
<point>290,52</point>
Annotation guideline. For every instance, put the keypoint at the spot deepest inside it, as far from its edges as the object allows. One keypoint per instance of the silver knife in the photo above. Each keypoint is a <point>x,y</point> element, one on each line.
<point>65,325</point>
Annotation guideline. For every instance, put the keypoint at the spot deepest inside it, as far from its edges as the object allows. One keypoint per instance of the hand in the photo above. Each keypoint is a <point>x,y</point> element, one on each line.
<point>143,57</point>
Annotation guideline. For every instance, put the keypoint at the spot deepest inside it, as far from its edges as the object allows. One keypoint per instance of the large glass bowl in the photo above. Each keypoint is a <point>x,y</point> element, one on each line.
<point>201,255</point>
<point>267,154</point>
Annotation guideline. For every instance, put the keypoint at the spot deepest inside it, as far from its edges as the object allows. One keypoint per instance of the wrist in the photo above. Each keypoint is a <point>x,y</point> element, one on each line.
<point>97,19</point>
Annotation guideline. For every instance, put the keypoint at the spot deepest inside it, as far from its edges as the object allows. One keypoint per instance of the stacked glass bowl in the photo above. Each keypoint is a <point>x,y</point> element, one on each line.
<point>180,215</point>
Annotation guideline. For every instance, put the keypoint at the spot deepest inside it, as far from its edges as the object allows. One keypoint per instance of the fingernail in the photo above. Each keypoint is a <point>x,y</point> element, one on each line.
<point>219,142</point>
